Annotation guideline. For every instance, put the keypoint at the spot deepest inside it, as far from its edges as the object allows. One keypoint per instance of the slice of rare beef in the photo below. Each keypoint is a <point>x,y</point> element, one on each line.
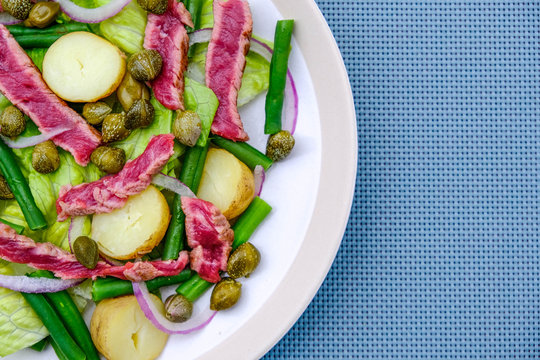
<point>112,192</point>
<point>210,237</point>
<point>46,256</point>
<point>167,35</point>
<point>22,84</point>
<point>225,64</point>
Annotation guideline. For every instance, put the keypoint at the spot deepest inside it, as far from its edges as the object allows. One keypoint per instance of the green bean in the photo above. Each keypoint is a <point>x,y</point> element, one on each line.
<point>58,351</point>
<point>70,315</point>
<point>67,346</point>
<point>249,221</point>
<point>244,227</point>
<point>18,228</point>
<point>190,175</point>
<point>59,29</point>
<point>194,7</point>
<point>19,186</point>
<point>194,288</point>
<point>40,345</point>
<point>278,76</point>
<point>104,288</point>
<point>244,152</point>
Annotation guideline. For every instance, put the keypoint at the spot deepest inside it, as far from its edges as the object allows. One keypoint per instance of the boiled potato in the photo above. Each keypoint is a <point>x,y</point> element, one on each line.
<point>135,229</point>
<point>83,67</point>
<point>227,183</point>
<point>120,330</point>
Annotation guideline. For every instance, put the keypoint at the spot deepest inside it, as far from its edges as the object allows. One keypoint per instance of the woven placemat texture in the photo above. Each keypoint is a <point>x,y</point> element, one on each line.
<point>441,257</point>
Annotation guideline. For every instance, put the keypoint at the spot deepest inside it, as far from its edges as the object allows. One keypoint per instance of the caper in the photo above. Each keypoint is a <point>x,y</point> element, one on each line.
<point>243,261</point>
<point>86,251</point>
<point>95,112</point>
<point>130,90</point>
<point>154,6</point>
<point>178,308</point>
<point>5,191</point>
<point>279,145</point>
<point>12,122</point>
<point>113,128</point>
<point>45,158</point>
<point>187,127</point>
<point>140,114</point>
<point>19,9</point>
<point>42,14</point>
<point>225,294</point>
<point>109,159</point>
<point>145,65</point>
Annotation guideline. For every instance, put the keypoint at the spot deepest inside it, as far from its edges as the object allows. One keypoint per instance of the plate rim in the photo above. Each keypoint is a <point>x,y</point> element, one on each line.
<point>333,205</point>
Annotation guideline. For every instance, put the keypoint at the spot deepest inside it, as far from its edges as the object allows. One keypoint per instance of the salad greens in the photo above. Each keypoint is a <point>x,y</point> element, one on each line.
<point>19,325</point>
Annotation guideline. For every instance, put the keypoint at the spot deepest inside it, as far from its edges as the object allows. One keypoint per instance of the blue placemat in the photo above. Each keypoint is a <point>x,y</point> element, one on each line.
<point>441,258</point>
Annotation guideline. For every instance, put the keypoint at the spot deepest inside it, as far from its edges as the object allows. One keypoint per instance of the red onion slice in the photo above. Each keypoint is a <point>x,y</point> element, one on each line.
<point>96,15</point>
<point>23,142</point>
<point>7,19</point>
<point>197,322</point>
<point>75,229</point>
<point>259,176</point>
<point>36,285</point>
<point>290,106</point>
<point>173,184</point>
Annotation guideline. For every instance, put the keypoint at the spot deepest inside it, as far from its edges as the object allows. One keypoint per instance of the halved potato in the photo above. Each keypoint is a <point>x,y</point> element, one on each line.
<point>135,229</point>
<point>83,67</point>
<point>120,330</point>
<point>227,183</point>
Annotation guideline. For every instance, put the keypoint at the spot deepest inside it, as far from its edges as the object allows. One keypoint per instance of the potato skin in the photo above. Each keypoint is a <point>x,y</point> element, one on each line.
<point>227,183</point>
<point>135,229</point>
<point>120,330</point>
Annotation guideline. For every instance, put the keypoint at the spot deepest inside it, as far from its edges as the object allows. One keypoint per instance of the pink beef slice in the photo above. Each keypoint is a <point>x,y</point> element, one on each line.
<point>22,84</point>
<point>166,34</point>
<point>225,63</point>
<point>210,237</point>
<point>46,256</point>
<point>112,192</point>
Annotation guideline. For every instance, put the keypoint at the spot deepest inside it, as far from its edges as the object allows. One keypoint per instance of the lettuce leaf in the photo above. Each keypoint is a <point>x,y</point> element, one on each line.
<point>20,327</point>
<point>207,15</point>
<point>126,29</point>
<point>254,80</point>
<point>204,102</point>
<point>137,141</point>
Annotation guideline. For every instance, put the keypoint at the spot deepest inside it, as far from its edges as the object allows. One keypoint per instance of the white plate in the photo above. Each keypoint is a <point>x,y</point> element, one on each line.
<point>311,194</point>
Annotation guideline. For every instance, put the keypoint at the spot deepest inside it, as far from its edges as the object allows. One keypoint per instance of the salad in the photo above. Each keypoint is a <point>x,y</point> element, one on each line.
<point>126,167</point>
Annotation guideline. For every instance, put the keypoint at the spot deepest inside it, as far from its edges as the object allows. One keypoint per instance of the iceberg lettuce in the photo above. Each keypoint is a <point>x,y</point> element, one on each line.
<point>204,102</point>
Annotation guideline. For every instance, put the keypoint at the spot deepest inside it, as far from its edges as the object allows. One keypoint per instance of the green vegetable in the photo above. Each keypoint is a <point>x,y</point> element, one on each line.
<point>70,315</point>
<point>244,227</point>
<point>126,29</point>
<point>52,322</point>
<point>43,38</point>
<point>18,228</point>
<point>58,351</point>
<point>204,102</point>
<point>249,221</point>
<point>190,175</point>
<point>104,288</point>
<point>194,7</point>
<point>278,76</point>
<point>40,345</point>
<point>193,288</point>
<point>244,152</point>
<point>254,79</point>
<point>21,190</point>
<point>20,326</point>
<point>37,55</point>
